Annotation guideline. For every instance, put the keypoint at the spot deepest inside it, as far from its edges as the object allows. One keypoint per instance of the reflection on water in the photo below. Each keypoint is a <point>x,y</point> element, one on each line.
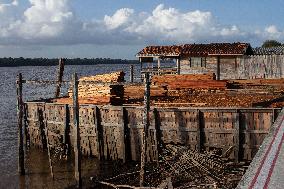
<point>37,166</point>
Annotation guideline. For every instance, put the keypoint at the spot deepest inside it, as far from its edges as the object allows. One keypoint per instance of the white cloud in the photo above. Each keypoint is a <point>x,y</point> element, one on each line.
<point>5,6</point>
<point>272,32</point>
<point>53,22</point>
<point>120,17</point>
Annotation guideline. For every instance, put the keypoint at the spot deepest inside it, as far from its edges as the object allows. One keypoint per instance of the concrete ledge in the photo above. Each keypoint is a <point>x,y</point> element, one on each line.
<point>267,167</point>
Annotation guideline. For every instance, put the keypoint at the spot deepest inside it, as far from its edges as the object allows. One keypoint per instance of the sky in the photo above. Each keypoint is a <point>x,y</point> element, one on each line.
<point>120,28</point>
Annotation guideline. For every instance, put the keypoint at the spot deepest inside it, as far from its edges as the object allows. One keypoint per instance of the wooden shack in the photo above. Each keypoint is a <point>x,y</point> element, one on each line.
<point>222,59</point>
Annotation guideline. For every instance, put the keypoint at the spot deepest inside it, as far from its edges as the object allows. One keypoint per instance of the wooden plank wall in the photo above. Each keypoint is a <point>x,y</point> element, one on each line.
<point>115,132</point>
<point>246,67</point>
<point>261,66</point>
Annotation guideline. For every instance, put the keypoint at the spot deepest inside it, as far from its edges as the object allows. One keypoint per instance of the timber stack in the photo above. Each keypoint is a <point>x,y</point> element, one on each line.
<point>100,89</point>
<point>137,91</point>
<point>190,81</point>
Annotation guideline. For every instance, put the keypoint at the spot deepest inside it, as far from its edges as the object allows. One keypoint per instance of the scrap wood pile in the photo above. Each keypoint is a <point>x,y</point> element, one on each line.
<point>100,89</point>
<point>223,99</point>
<point>189,81</point>
<point>186,169</point>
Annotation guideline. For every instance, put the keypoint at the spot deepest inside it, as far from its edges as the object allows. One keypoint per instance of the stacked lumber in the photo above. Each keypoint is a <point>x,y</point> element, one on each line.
<point>182,77</point>
<point>189,81</point>
<point>111,77</point>
<point>137,91</point>
<point>260,83</point>
<point>100,93</point>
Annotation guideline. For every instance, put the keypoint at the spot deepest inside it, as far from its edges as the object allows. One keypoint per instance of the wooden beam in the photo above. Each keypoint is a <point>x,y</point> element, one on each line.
<point>77,148</point>
<point>237,136</point>
<point>146,118</point>
<point>59,76</point>
<point>131,73</point>
<point>178,66</point>
<point>21,155</point>
<point>218,67</point>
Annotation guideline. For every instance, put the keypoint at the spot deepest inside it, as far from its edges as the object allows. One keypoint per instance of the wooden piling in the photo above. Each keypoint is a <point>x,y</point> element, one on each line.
<point>48,148</point>
<point>218,68</point>
<point>237,136</point>
<point>131,73</point>
<point>77,148</point>
<point>59,77</point>
<point>21,155</point>
<point>146,118</point>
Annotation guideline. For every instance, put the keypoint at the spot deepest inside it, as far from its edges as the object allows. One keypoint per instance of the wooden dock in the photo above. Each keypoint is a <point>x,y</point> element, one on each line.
<point>115,132</point>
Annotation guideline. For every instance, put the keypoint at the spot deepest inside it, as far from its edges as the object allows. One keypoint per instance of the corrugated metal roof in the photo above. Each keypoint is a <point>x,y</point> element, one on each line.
<point>197,49</point>
<point>269,51</point>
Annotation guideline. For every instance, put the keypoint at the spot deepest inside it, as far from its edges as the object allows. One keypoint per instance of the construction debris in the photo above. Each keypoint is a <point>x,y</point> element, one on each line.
<point>180,167</point>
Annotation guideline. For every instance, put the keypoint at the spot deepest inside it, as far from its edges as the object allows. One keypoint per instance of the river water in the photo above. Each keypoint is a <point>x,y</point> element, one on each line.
<point>37,167</point>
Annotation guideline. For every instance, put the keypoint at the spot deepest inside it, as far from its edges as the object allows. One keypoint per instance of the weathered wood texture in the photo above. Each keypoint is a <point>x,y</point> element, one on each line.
<point>261,66</point>
<point>21,155</point>
<point>99,93</point>
<point>189,81</point>
<point>59,76</point>
<point>246,67</point>
<point>115,132</point>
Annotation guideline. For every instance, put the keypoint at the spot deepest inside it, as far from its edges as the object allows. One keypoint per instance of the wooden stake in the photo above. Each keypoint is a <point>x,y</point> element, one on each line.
<point>131,73</point>
<point>48,148</point>
<point>146,126</point>
<point>77,148</point>
<point>59,77</point>
<point>21,160</point>
<point>66,130</point>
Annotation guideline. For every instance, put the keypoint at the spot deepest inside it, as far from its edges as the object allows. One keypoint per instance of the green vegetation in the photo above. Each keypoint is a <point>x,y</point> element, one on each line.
<point>12,62</point>
<point>270,43</point>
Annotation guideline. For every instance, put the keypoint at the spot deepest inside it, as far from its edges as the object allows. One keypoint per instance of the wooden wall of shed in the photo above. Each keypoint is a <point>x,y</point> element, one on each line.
<point>229,66</point>
<point>242,67</point>
<point>114,132</point>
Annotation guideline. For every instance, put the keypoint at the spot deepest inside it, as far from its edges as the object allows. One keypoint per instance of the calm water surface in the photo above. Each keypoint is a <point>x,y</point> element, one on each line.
<point>37,167</point>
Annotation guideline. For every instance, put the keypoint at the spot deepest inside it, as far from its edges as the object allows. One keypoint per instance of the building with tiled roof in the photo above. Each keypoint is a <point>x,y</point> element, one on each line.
<point>211,49</point>
<point>197,58</point>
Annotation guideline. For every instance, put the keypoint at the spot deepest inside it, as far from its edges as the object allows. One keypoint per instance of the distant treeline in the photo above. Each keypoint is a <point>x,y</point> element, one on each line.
<point>12,62</point>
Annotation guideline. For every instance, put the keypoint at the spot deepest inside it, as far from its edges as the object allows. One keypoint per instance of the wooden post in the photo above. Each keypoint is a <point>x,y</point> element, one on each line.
<point>159,65</point>
<point>48,148</point>
<point>237,136</point>
<point>21,155</point>
<point>66,130</point>
<point>77,148</point>
<point>141,68</point>
<point>146,119</point>
<point>131,73</point>
<point>59,77</point>
<point>218,67</point>
<point>178,66</point>
<point>26,135</point>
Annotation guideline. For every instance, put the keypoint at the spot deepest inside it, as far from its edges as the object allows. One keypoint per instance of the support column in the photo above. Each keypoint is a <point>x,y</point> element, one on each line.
<point>218,67</point>
<point>21,155</point>
<point>77,148</point>
<point>146,120</point>
<point>159,65</point>
<point>178,66</point>
<point>141,67</point>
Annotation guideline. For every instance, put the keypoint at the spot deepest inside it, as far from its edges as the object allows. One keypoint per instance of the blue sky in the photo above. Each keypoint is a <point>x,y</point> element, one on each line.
<point>120,28</point>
